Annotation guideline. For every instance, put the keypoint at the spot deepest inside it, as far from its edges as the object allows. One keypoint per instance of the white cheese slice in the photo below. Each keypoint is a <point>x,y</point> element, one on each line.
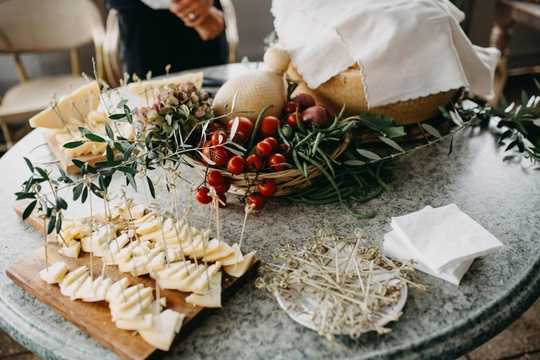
<point>97,291</point>
<point>233,258</point>
<point>141,307</point>
<point>239,269</point>
<point>72,249</point>
<point>185,284</point>
<point>54,273</point>
<point>134,299</point>
<point>141,323</point>
<point>149,227</point>
<point>218,253</point>
<point>165,326</point>
<point>212,297</point>
<point>70,285</point>
<point>111,256</point>
<point>213,245</point>
<point>97,242</point>
<point>70,110</point>
<point>116,289</point>
<point>201,284</point>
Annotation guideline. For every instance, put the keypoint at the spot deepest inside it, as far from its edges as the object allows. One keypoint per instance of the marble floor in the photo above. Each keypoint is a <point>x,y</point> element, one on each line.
<point>520,341</point>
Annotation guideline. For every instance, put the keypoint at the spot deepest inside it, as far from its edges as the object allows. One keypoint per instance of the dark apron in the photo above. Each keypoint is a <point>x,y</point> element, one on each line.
<point>152,39</point>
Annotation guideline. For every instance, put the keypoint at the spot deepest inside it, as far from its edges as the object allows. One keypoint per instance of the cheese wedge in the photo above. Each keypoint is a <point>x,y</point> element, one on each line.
<point>146,89</point>
<point>73,281</point>
<point>142,323</point>
<point>69,110</point>
<point>165,327</point>
<point>201,284</point>
<point>54,273</point>
<point>115,246</point>
<point>72,250</point>
<point>217,252</point>
<point>116,289</point>
<point>148,227</point>
<point>239,269</point>
<point>96,290</point>
<point>212,297</point>
<point>233,258</point>
<point>97,243</point>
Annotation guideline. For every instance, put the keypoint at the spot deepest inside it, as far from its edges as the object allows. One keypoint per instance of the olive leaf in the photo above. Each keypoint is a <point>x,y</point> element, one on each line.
<point>391,143</point>
<point>28,210</point>
<point>73,144</point>
<point>431,130</point>
<point>369,154</point>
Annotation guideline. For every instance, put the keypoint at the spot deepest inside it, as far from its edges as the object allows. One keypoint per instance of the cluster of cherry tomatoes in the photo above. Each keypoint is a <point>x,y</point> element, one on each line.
<point>268,154</point>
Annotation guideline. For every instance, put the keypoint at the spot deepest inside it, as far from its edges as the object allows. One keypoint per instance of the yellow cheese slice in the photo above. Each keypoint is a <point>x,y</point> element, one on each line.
<point>73,249</point>
<point>212,297</point>
<point>70,285</point>
<point>222,251</point>
<point>201,284</point>
<point>239,269</point>
<point>54,273</point>
<point>71,109</point>
<point>116,289</point>
<point>98,290</point>
<point>165,326</point>
<point>141,323</point>
<point>233,258</point>
<point>145,89</point>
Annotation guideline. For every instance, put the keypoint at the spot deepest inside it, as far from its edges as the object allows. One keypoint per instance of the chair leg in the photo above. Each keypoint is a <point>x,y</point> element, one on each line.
<point>500,38</point>
<point>7,134</point>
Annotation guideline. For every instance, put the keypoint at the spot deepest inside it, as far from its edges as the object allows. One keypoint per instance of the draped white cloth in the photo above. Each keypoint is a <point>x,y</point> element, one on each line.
<point>405,48</point>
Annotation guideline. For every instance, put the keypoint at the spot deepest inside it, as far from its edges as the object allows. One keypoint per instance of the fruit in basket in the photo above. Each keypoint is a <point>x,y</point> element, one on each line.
<point>263,149</point>
<point>292,120</point>
<point>214,178</point>
<point>244,125</point>
<point>290,107</point>
<point>223,188</point>
<point>236,165</point>
<point>267,188</point>
<point>277,162</point>
<point>218,137</point>
<point>255,201</point>
<point>219,155</point>
<point>202,195</point>
<point>316,115</point>
<point>303,101</point>
<point>273,142</point>
<point>269,126</point>
<point>254,162</point>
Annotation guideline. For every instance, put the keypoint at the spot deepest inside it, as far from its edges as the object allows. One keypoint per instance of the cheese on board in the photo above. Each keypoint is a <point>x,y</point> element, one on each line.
<point>54,273</point>
<point>212,297</point>
<point>239,269</point>
<point>164,328</point>
<point>145,89</point>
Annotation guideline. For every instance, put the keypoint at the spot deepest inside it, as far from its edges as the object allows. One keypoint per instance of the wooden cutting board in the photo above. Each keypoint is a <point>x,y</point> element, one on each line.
<point>95,318</point>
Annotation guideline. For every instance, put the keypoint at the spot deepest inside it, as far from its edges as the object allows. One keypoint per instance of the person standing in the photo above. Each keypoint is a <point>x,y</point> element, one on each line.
<point>189,34</point>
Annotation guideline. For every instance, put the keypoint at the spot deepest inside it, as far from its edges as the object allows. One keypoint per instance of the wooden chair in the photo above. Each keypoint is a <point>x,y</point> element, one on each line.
<point>507,14</point>
<point>111,45</point>
<point>39,26</point>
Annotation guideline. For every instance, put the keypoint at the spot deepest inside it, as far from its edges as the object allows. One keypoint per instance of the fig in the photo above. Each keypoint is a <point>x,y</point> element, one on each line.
<point>316,115</point>
<point>304,101</point>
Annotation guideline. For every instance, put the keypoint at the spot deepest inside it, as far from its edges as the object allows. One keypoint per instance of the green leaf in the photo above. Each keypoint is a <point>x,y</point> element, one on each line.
<point>117,116</point>
<point>391,143</point>
<point>52,223</point>
<point>431,130</point>
<point>28,210</point>
<point>77,190</point>
<point>29,164</point>
<point>94,137</point>
<point>256,126</point>
<point>110,155</point>
<point>61,203</point>
<point>151,187</point>
<point>130,179</point>
<point>354,163</point>
<point>78,163</point>
<point>59,223</point>
<point>369,154</point>
<point>73,144</point>
<point>25,195</point>
<point>84,195</point>
<point>43,173</point>
<point>394,131</point>
<point>109,131</point>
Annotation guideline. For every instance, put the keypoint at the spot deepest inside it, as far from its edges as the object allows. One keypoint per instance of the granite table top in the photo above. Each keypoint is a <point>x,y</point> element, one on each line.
<point>442,322</point>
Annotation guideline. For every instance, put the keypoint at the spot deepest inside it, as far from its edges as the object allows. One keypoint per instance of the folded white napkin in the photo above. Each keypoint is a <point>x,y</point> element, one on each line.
<point>405,48</point>
<point>442,242</point>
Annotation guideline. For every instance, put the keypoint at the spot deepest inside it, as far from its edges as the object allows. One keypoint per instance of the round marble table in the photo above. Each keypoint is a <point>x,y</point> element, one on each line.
<point>443,322</point>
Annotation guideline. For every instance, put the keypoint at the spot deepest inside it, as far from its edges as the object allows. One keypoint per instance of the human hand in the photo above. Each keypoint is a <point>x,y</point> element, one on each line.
<point>192,12</point>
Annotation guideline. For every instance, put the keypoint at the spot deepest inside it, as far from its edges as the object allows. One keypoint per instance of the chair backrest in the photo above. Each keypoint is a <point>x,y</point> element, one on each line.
<point>47,25</point>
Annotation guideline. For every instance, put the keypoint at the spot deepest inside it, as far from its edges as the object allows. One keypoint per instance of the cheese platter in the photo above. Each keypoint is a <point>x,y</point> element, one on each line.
<point>107,324</point>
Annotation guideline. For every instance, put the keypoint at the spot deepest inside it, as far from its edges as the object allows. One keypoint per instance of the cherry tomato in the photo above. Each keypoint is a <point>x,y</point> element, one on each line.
<point>244,125</point>
<point>273,142</point>
<point>218,137</point>
<point>223,188</point>
<point>267,188</point>
<point>269,126</point>
<point>214,178</point>
<point>291,120</point>
<point>254,162</point>
<point>285,148</point>
<point>263,149</point>
<point>240,137</point>
<point>290,107</point>
<point>202,195</point>
<point>277,162</point>
<point>236,165</point>
<point>219,155</point>
<point>255,201</point>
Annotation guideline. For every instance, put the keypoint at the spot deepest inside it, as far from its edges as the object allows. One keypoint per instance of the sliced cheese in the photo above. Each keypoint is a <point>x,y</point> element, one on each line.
<point>201,284</point>
<point>146,89</point>
<point>116,289</point>
<point>96,291</point>
<point>54,273</point>
<point>234,258</point>
<point>212,297</point>
<point>141,323</point>
<point>69,110</point>
<point>165,326</point>
<point>72,249</point>
<point>239,269</point>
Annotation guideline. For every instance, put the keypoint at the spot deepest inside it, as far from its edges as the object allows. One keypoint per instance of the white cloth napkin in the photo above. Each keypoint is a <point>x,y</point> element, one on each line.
<point>443,242</point>
<point>406,48</point>
<point>157,4</point>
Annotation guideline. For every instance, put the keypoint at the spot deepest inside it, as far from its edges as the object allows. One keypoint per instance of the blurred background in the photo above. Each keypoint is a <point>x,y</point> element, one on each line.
<point>255,23</point>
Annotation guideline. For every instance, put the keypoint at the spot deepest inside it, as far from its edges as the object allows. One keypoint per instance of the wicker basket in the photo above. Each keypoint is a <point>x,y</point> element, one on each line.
<point>287,181</point>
